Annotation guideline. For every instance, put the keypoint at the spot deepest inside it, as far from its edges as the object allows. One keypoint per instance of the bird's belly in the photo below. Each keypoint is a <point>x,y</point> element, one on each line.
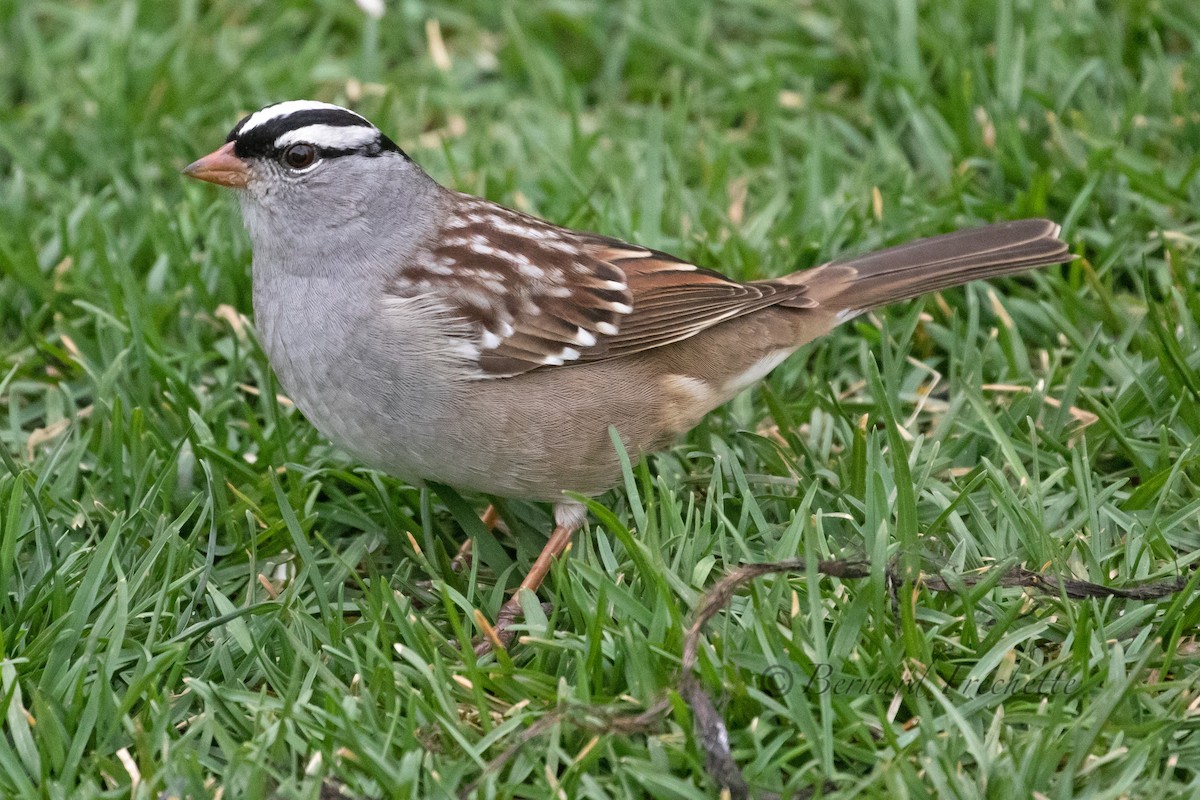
<point>537,435</point>
<point>515,437</point>
<point>374,391</point>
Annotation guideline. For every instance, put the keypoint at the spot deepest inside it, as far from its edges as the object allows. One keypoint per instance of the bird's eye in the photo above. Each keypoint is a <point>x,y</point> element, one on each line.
<point>299,156</point>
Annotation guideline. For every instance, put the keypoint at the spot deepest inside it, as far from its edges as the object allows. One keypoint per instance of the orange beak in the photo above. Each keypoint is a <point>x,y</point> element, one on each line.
<point>221,167</point>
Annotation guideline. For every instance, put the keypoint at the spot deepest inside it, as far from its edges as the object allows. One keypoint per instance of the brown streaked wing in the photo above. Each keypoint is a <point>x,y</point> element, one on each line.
<point>674,300</point>
<point>537,295</point>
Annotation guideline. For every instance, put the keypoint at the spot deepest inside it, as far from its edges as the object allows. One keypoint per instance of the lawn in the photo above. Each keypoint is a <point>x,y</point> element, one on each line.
<point>200,597</point>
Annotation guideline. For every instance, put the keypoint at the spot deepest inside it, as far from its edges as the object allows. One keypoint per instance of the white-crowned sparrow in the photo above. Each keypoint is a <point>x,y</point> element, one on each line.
<point>439,336</point>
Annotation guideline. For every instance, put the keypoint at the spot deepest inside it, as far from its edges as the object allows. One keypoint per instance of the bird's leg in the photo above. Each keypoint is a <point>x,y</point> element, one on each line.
<point>462,559</point>
<point>568,518</point>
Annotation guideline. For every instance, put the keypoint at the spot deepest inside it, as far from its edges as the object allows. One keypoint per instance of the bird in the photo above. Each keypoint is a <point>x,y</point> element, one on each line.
<point>442,337</point>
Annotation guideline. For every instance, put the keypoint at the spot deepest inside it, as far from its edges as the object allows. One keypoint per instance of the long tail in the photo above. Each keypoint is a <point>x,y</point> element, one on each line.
<point>939,262</point>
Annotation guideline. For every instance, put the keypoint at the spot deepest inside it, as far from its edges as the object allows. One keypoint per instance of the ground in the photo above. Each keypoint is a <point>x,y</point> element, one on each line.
<point>199,596</point>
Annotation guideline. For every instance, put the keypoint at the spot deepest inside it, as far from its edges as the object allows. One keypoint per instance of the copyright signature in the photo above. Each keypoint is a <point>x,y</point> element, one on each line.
<point>777,679</point>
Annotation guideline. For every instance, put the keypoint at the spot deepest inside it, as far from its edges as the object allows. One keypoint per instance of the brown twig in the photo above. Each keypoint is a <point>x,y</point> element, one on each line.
<point>707,724</point>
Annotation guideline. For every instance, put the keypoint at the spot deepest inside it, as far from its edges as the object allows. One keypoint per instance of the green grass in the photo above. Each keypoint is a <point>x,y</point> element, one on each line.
<point>199,595</point>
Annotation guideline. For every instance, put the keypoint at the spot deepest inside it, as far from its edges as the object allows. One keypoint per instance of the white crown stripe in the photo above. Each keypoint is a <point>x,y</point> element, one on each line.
<point>265,115</point>
<point>332,137</point>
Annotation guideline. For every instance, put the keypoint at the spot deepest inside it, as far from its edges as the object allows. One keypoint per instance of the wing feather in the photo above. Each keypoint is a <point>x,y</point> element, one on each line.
<point>535,295</point>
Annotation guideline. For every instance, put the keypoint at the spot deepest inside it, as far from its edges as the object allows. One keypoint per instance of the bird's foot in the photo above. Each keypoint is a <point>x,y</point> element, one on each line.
<point>499,635</point>
<point>462,559</point>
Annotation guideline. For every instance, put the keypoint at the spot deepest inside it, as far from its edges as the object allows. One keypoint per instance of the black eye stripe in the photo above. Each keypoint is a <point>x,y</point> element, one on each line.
<point>259,141</point>
<point>336,117</point>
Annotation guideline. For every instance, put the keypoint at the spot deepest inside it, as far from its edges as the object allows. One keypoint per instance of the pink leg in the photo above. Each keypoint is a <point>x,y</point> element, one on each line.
<point>569,518</point>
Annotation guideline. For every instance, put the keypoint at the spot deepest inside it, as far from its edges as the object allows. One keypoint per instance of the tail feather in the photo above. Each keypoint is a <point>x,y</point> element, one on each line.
<point>939,262</point>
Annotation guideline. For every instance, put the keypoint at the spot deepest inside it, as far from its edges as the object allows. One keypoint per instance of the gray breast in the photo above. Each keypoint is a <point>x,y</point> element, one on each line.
<point>374,375</point>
